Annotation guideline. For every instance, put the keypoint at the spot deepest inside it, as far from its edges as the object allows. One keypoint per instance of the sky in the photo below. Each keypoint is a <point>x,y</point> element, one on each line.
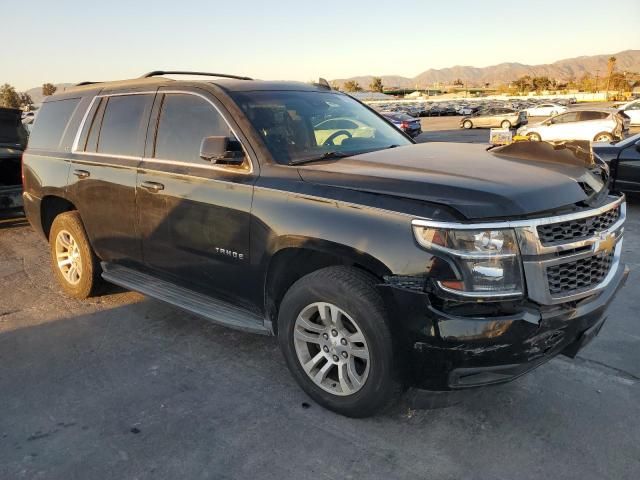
<point>73,41</point>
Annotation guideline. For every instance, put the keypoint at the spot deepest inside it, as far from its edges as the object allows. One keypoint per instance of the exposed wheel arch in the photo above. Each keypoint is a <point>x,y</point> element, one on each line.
<point>50,207</point>
<point>290,264</point>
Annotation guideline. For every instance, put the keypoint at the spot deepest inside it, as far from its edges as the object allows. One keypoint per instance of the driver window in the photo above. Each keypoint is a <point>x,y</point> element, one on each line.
<point>184,121</point>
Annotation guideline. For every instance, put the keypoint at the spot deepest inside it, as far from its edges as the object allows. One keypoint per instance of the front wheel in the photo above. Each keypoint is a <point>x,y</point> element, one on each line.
<point>506,124</point>
<point>74,264</point>
<point>467,124</point>
<point>335,337</point>
<point>533,137</point>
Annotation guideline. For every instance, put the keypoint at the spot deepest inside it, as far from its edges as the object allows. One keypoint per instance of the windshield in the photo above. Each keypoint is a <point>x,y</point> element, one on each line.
<point>297,126</point>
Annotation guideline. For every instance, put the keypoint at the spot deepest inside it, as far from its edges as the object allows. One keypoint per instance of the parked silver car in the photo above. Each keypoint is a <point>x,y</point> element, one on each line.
<point>591,124</point>
<point>495,117</point>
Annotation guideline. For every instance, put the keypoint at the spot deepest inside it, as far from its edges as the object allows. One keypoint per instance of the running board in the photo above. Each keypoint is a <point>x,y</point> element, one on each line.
<point>217,311</point>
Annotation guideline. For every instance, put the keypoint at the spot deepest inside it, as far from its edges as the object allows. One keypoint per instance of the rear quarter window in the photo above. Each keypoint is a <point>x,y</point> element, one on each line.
<point>585,116</point>
<point>51,123</point>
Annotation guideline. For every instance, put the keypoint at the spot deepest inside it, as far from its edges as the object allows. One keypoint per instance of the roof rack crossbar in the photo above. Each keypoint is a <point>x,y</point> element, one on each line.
<point>156,73</point>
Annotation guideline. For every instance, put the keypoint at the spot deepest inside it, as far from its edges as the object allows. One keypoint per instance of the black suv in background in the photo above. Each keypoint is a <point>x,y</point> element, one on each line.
<point>378,263</point>
<point>13,141</point>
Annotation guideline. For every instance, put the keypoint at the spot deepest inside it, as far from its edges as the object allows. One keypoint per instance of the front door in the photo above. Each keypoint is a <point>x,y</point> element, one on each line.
<point>628,177</point>
<point>103,173</point>
<point>561,127</point>
<point>194,217</point>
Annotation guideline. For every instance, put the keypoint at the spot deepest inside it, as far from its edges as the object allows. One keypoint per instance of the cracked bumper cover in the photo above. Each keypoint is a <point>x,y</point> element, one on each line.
<point>446,352</point>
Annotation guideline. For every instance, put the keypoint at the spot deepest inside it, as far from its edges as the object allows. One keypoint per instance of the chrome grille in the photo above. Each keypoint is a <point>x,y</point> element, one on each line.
<point>578,229</point>
<point>574,277</point>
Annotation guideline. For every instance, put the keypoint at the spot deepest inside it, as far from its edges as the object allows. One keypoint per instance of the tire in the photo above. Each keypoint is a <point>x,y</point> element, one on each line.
<point>467,124</point>
<point>505,124</point>
<point>68,243</point>
<point>603,137</point>
<point>362,315</point>
<point>534,137</point>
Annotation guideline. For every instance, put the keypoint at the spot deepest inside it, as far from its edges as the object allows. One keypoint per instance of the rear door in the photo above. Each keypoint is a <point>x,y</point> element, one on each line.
<point>194,217</point>
<point>593,122</point>
<point>562,127</point>
<point>485,118</point>
<point>103,172</point>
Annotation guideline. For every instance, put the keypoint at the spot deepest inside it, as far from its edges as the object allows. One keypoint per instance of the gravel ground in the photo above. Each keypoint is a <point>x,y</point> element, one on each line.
<point>122,386</point>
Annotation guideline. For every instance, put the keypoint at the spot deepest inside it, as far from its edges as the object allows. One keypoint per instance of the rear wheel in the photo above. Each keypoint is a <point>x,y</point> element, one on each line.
<point>603,137</point>
<point>74,264</point>
<point>467,124</point>
<point>506,124</point>
<point>338,345</point>
<point>533,137</point>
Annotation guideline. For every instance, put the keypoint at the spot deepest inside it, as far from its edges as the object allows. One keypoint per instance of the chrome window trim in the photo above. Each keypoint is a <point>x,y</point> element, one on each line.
<point>74,148</point>
<point>537,257</point>
<point>108,155</point>
<point>178,163</point>
<point>74,145</point>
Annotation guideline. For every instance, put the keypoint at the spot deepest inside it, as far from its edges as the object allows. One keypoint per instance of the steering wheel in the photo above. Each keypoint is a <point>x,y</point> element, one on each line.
<point>334,135</point>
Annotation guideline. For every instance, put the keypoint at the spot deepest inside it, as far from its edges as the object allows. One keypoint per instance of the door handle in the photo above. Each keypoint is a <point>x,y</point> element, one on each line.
<point>81,173</point>
<point>153,187</point>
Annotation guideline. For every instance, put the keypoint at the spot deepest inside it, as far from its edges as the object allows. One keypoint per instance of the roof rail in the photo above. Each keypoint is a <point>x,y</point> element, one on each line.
<point>85,83</point>
<point>156,73</point>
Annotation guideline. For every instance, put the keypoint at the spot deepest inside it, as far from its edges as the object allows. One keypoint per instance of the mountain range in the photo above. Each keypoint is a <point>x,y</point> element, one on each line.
<point>36,92</point>
<point>562,70</point>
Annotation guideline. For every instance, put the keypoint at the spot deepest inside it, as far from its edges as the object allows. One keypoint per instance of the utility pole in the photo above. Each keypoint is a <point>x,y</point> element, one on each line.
<point>597,74</point>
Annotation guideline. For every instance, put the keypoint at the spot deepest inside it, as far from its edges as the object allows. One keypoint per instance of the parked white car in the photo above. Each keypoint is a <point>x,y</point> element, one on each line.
<point>595,125</point>
<point>546,110</point>
<point>632,109</point>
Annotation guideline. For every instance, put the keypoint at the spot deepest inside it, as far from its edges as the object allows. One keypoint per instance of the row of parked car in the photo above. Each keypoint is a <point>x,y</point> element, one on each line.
<point>544,107</point>
<point>561,122</point>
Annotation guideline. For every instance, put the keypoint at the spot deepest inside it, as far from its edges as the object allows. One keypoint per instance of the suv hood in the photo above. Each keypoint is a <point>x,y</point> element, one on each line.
<point>516,180</point>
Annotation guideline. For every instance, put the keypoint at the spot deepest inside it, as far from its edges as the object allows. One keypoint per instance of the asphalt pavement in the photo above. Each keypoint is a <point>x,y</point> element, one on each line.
<point>124,387</point>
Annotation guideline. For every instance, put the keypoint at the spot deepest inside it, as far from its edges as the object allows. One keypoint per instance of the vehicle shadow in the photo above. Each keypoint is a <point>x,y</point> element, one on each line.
<point>145,387</point>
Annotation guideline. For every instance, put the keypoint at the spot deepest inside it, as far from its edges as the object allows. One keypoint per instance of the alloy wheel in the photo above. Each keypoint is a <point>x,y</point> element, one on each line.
<point>68,257</point>
<point>331,348</point>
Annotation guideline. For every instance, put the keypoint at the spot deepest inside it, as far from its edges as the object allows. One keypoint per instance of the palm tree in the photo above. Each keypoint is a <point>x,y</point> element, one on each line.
<point>611,65</point>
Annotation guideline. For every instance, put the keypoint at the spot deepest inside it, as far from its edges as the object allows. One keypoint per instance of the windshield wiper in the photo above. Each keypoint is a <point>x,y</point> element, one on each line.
<point>325,156</point>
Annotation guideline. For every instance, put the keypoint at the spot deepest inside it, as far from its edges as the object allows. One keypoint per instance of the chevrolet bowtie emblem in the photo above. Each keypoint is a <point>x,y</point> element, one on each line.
<point>606,243</point>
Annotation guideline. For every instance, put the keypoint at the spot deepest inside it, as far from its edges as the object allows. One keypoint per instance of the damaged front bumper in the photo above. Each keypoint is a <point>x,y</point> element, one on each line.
<point>448,352</point>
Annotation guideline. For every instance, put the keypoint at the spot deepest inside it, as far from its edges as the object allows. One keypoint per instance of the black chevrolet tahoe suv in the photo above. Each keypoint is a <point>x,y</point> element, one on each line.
<point>293,210</point>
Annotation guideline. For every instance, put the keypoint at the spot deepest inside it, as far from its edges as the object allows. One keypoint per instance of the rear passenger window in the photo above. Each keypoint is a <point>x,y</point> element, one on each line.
<point>124,125</point>
<point>51,123</point>
<point>184,121</point>
<point>584,116</point>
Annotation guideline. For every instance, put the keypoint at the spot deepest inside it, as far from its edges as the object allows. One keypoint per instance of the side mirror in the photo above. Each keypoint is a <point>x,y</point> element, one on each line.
<point>221,150</point>
<point>637,144</point>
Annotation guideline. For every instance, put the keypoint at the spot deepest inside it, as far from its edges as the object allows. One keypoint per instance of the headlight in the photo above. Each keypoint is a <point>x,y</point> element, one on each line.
<point>486,263</point>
